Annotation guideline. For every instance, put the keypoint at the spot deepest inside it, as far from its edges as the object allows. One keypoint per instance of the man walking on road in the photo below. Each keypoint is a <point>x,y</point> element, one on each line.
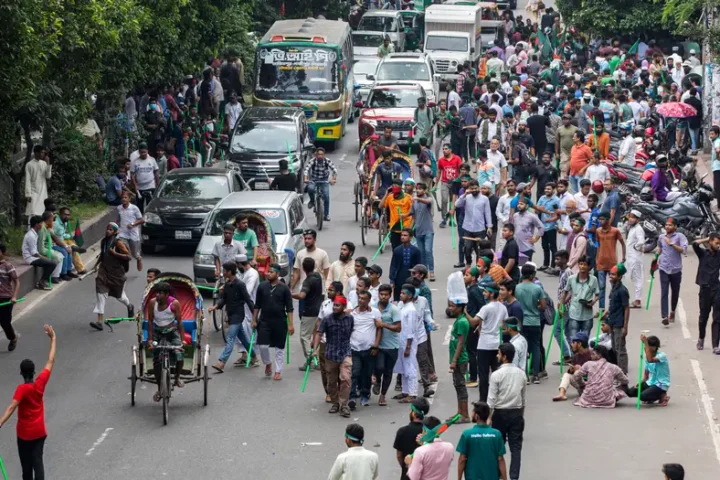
<point>344,267</point>
<point>364,344</point>
<point>406,437</point>
<point>528,229</point>
<point>322,261</point>
<point>110,281</point>
<point>506,399</point>
<point>9,290</point>
<point>129,220</point>
<point>404,257</point>
<point>478,220</point>
<point>617,315</point>
<point>311,294</point>
<point>671,246</point>
<point>709,295</point>
<point>28,400</point>
<point>273,319</point>
<point>608,238</point>
<point>387,355</point>
<point>635,244</point>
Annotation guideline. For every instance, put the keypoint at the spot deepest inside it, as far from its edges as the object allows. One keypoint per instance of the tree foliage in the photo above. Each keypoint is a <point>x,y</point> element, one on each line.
<point>612,18</point>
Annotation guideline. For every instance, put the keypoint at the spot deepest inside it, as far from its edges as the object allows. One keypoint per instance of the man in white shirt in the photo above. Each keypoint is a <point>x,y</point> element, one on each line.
<point>498,159</point>
<point>453,97</point>
<point>251,278</point>
<point>357,463</point>
<point>342,269</point>
<point>406,363</point>
<point>512,328</point>
<point>145,176</point>
<point>581,199</point>
<point>360,271</point>
<point>487,322</point>
<point>232,111</point>
<point>427,372</point>
<point>635,243</point>
<point>626,154</point>
<point>502,211</point>
<point>364,340</point>
<point>129,220</point>
<point>31,256</point>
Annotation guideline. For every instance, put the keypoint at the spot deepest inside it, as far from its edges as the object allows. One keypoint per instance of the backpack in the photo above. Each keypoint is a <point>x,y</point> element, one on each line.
<point>549,313</point>
<point>525,160</point>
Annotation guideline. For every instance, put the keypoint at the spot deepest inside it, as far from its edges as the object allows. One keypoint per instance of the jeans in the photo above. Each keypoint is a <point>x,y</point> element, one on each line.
<point>533,335</point>
<point>486,361</point>
<point>669,281</point>
<point>549,245</point>
<point>511,425</point>
<point>694,133</point>
<point>324,187</point>
<point>575,182</point>
<point>709,297</point>
<point>235,330</point>
<point>602,280</point>
<point>31,458</point>
<point>425,244</point>
<point>6,319</point>
<point>460,218</point>
<point>384,365</point>
<point>361,373</point>
<point>445,198</point>
<point>67,265</point>
<point>144,197</point>
<point>575,326</point>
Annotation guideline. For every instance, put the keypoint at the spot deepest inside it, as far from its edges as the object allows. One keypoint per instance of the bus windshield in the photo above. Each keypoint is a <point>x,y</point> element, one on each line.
<point>287,72</point>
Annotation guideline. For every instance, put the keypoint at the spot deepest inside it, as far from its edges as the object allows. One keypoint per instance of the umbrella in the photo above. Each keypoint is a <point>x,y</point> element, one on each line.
<point>676,110</point>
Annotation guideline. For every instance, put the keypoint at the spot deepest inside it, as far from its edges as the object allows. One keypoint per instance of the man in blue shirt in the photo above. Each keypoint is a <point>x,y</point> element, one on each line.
<point>114,187</point>
<point>612,204</point>
<point>550,203</point>
<point>656,376</point>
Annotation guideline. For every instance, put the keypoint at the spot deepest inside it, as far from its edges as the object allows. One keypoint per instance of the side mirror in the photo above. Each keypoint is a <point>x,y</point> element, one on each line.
<point>371,76</point>
<point>297,231</point>
<point>358,104</point>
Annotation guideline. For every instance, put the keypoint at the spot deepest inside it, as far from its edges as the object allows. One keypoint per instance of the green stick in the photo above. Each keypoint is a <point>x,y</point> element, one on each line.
<point>529,364</point>
<point>597,330</point>
<point>119,319</point>
<point>249,353</point>
<point>287,343</point>
<point>452,228</point>
<point>647,303</point>
<point>50,250</point>
<point>2,468</point>
<point>552,334</point>
<point>640,374</point>
<point>401,220</point>
<point>203,287</point>
<point>16,301</point>
<point>382,244</point>
<point>307,369</point>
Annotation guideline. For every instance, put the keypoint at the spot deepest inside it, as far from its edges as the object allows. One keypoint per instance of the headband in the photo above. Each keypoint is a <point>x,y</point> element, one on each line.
<point>341,300</point>
<point>490,288</point>
<point>417,411</point>
<point>277,268</point>
<point>511,325</point>
<point>354,439</point>
<point>407,290</point>
<point>114,226</point>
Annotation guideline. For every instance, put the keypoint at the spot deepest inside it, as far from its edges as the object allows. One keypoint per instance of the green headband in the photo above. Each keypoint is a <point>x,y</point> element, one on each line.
<point>354,439</point>
<point>408,292</point>
<point>490,289</point>
<point>277,268</point>
<point>511,325</point>
<point>417,411</point>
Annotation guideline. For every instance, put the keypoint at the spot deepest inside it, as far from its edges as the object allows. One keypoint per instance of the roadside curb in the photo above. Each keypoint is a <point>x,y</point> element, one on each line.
<point>93,232</point>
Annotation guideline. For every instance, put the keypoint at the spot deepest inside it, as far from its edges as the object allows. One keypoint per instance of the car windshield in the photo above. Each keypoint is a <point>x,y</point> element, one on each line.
<point>194,186</point>
<point>254,137</point>
<point>367,39</point>
<point>377,23</point>
<point>394,98</point>
<point>404,71</point>
<point>297,73</point>
<point>275,217</point>
<point>365,67</point>
<point>451,44</point>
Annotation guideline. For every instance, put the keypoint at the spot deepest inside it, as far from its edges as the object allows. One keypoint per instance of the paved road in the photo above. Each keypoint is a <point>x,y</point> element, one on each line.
<point>255,427</point>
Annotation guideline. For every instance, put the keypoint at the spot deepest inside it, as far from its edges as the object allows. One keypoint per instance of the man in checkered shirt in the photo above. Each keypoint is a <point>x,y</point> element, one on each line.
<point>317,174</point>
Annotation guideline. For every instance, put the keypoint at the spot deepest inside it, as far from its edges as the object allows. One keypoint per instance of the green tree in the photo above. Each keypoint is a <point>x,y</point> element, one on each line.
<point>686,18</point>
<point>612,18</point>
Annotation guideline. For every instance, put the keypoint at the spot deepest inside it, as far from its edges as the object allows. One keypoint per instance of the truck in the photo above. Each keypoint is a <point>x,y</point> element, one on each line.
<point>452,37</point>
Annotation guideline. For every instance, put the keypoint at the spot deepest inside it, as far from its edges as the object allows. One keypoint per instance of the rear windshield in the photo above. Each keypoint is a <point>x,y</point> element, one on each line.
<point>275,217</point>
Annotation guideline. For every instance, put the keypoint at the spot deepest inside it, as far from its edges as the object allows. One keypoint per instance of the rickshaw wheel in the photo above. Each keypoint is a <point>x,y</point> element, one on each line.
<point>165,392</point>
<point>358,199</point>
<point>223,324</point>
<point>363,228</point>
<point>133,383</point>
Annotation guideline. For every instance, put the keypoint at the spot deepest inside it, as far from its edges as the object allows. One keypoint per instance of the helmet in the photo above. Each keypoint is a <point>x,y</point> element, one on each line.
<point>597,186</point>
<point>646,194</point>
<point>638,131</point>
<point>650,131</point>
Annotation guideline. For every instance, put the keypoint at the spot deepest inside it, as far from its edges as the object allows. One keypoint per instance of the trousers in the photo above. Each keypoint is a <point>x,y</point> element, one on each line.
<point>235,331</point>
<point>384,364</point>
<point>471,247</point>
<point>279,357</point>
<point>533,335</point>
<point>635,269</point>
<point>486,361</point>
<point>424,365</point>
<point>361,372</point>
<point>6,319</point>
<point>338,381</point>
<point>471,346</point>
<point>709,298</point>
<point>648,393</point>
<point>425,244</point>
<point>31,458</point>
<point>549,246</point>
<point>669,283</point>
<point>101,300</point>
<point>445,198</point>
<point>307,329</point>
<point>620,348</point>
<point>511,425</point>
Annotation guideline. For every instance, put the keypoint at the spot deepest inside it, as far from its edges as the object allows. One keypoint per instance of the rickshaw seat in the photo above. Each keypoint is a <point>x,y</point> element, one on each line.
<point>190,327</point>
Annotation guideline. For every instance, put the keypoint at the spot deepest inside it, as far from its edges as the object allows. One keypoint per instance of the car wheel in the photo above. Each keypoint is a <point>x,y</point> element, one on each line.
<point>148,249</point>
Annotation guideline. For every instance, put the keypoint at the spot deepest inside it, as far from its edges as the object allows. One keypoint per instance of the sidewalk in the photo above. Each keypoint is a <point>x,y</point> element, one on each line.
<point>93,232</point>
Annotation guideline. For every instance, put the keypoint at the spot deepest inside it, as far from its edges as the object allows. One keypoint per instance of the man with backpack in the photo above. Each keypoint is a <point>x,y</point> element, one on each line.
<point>523,165</point>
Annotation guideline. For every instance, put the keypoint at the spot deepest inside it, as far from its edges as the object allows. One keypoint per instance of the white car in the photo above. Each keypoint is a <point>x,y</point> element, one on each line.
<point>409,67</point>
<point>365,44</point>
<point>386,22</point>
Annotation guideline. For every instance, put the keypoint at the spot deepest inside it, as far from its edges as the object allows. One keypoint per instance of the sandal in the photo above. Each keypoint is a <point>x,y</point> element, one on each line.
<point>407,399</point>
<point>334,409</point>
<point>277,376</point>
<point>399,397</point>
<point>179,383</point>
<point>156,397</point>
<point>382,402</point>
<point>700,344</point>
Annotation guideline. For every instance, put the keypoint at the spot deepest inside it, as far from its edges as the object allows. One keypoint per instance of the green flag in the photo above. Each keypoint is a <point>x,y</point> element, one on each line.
<point>634,49</point>
<point>77,235</point>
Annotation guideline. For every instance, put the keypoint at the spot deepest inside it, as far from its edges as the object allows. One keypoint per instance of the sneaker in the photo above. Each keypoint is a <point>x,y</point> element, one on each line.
<point>471,384</point>
<point>429,392</point>
<point>326,218</point>
<point>56,279</point>
<point>44,286</point>
<point>536,380</point>
<point>398,387</point>
<point>302,368</point>
<point>352,404</point>
<point>72,275</point>
<point>131,311</point>
<point>665,321</point>
<point>716,351</point>
<point>365,401</point>
<point>543,374</point>
<point>13,344</point>
<point>459,265</point>
<point>443,224</point>
<point>97,325</point>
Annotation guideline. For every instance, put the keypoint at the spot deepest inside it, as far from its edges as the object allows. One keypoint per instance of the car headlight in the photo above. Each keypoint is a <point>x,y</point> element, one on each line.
<point>282,258</point>
<point>153,218</point>
<point>453,63</point>
<point>204,259</point>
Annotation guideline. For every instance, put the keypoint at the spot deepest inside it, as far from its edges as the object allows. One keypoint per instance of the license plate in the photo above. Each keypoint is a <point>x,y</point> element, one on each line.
<point>183,235</point>
<point>262,186</point>
<point>649,226</point>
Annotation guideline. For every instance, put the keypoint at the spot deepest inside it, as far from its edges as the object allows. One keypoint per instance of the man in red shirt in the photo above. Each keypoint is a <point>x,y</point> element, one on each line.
<point>448,168</point>
<point>28,399</point>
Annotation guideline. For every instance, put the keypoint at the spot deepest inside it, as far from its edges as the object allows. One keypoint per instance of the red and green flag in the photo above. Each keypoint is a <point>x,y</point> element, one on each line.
<point>77,236</point>
<point>654,265</point>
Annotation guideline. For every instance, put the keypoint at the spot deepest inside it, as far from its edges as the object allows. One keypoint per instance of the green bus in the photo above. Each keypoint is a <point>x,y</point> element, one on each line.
<point>308,64</point>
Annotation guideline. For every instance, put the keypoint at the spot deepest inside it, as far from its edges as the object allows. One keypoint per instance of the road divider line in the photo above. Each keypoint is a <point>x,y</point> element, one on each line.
<point>100,440</point>
<point>707,405</point>
<point>683,320</point>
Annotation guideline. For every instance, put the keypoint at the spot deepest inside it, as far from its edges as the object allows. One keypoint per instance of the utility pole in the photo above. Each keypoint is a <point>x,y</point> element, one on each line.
<point>711,76</point>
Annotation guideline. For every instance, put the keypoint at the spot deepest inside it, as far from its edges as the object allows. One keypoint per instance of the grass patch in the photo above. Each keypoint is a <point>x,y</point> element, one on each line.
<point>83,211</point>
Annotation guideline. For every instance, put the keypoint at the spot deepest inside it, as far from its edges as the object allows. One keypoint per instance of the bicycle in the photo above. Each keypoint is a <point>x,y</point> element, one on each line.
<point>319,202</point>
<point>219,316</point>
<point>165,382</point>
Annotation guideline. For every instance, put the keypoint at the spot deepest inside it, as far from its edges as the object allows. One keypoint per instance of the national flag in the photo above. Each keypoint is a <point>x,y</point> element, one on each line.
<point>77,236</point>
<point>431,435</point>
<point>634,49</point>
<point>654,265</point>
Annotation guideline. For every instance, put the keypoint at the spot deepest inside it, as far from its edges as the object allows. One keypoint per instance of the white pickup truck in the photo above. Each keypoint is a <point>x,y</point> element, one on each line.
<point>452,37</point>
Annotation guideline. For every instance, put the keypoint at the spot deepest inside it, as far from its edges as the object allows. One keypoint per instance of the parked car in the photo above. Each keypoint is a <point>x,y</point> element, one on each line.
<point>265,135</point>
<point>387,22</point>
<point>365,44</point>
<point>409,67</point>
<point>177,213</point>
<point>282,210</point>
<point>390,103</point>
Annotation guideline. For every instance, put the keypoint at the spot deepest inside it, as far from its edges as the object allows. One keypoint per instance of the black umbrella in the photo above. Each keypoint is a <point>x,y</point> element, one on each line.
<point>689,78</point>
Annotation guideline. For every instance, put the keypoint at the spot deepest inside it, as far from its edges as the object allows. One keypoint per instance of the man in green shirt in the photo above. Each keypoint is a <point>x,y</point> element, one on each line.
<point>246,236</point>
<point>459,356</point>
<point>584,292</point>
<point>532,299</point>
<point>386,48</point>
<point>564,143</point>
<point>481,449</point>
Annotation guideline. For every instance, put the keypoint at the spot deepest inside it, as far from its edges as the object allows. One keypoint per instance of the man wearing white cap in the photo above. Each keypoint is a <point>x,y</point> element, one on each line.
<point>693,60</point>
<point>635,243</point>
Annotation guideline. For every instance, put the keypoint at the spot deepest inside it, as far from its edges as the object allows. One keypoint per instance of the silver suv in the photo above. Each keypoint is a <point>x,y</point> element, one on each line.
<point>411,68</point>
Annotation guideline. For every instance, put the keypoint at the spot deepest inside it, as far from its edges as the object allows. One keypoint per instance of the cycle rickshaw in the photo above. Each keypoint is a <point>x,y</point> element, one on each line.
<point>370,209</point>
<point>197,355</point>
<point>265,257</point>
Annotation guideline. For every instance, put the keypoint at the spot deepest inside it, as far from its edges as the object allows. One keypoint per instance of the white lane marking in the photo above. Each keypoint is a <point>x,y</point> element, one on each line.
<point>708,407</point>
<point>310,444</point>
<point>342,159</point>
<point>99,440</point>
<point>446,340</point>
<point>683,320</point>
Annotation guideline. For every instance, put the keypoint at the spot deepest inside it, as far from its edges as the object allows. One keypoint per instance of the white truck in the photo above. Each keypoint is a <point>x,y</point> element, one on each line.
<point>452,36</point>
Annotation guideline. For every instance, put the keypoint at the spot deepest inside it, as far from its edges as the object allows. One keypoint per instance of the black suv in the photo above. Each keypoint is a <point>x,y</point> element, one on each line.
<point>265,135</point>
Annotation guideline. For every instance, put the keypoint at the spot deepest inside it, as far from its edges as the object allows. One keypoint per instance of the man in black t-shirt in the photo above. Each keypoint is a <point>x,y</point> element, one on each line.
<point>273,320</point>
<point>406,437</point>
<point>510,253</point>
<point>312,295</point>
<point>286,181</point>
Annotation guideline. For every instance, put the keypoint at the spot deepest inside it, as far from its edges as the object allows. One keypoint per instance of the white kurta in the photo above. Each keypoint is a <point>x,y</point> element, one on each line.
<point>251,278</point>
<point>409,321</point>
<point>37,173</point>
